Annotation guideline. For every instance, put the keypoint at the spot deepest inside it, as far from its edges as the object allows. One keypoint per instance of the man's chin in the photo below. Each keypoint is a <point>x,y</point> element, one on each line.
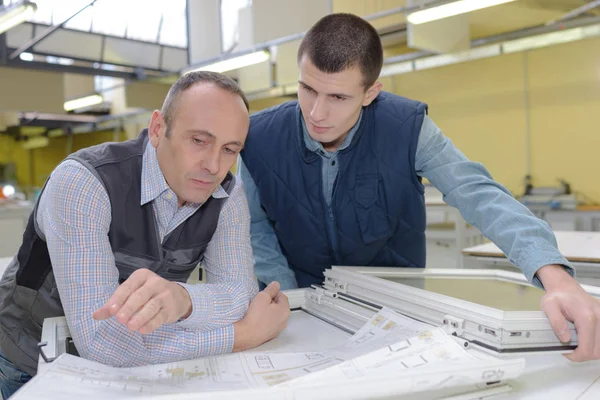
<point>198,198</point>
<point>322,138</point>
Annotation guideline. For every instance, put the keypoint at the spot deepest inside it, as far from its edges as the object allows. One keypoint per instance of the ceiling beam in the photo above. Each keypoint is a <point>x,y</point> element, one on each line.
<point>576,12</point>
<point>46,33</point>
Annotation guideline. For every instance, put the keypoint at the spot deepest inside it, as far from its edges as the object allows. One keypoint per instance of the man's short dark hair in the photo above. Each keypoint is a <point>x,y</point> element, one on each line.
<point>341,41</point>
<point>193,78</point>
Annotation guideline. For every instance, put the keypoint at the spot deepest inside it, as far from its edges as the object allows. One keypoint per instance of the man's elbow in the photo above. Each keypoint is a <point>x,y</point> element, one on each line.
<point>114,354</point>
<point>91,352</point>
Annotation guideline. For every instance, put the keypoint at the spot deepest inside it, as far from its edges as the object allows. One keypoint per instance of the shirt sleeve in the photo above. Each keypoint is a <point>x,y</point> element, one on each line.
<point>527,241</point>
<point>269,262</point>
<point>231,284</point>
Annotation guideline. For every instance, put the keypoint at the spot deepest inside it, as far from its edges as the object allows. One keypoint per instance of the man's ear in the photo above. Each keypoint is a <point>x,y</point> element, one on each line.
<point>372,93</point>
<point>156,128</point>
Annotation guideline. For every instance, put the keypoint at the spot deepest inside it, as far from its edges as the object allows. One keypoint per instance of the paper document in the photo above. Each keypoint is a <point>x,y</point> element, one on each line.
<point>388,345</point>
<point>384,328</point>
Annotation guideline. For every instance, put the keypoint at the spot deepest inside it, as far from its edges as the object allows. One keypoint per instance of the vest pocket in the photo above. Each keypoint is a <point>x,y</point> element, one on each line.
<point>127,263</point>
<point>370,211</point>
<point>365,189</point>
<point>179,273</point>
<point>179,264</point>
<point>176,265</point>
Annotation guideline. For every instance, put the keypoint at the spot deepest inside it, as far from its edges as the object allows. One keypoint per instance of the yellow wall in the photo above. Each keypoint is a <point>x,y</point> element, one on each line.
<point>45,159</point>
<point>564,87</point>
<point>31,90</point>
<point>261,104</point>
<point>481,106</point>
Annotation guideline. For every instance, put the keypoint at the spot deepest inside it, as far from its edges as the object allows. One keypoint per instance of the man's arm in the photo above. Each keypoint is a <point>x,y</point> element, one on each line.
<point>527,241</point>
<point>270,264</point>
<point>74,216</point>
<point>229,270</point>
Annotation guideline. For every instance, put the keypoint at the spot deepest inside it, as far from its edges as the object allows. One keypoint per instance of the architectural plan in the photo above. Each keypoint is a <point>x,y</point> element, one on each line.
<point>388,346</point>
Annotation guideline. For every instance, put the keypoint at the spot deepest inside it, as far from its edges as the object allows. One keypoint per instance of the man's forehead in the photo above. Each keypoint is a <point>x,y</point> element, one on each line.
<point>201,90</point>
<point>348,80</point>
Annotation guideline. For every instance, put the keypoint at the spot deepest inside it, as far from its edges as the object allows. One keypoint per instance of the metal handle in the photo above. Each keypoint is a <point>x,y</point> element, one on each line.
<point>41,346</point>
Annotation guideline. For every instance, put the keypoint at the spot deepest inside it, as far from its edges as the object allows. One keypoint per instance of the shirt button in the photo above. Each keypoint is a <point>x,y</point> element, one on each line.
<point>333,162</point>
<point>169,196</point>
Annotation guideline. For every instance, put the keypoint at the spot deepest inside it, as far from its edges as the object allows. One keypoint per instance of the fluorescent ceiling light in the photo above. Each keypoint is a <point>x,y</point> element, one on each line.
<point>59,60</point>
<point>544,40</point>
<point>236,62</point>
<point>52,133</point>
<point>14,15</point>
<point>397,68</point>
<point>31,130</point>
<point>451,9</point>
<point>83,102</point>
<point>26,56</point>
<point>35,142</point>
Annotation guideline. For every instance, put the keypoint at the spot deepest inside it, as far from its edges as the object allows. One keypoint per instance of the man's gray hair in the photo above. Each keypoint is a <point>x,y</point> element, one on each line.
<point>192,78</point>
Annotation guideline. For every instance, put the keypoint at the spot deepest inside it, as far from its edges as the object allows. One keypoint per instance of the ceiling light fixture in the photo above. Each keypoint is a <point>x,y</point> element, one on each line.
<point>82,102</point>
<point>451,9</point>
<point>235,62</point>
<point>16,14</point>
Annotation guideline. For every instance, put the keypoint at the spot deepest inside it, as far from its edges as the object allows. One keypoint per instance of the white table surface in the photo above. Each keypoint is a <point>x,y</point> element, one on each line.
<point>552,376</point>
<point>575,246</point>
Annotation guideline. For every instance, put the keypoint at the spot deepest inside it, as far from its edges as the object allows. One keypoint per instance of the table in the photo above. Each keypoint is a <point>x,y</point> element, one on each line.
<point>582,249</point>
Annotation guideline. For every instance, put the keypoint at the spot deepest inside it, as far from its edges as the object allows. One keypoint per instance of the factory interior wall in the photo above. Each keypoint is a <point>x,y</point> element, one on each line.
<point>34,166</point>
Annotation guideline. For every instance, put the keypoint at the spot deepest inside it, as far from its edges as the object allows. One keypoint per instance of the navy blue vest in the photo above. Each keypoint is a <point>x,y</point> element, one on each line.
<point>377,213</point>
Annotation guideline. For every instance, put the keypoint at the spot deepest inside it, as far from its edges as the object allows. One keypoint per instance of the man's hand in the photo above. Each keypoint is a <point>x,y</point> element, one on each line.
<point>566,300</point>
<point>145,302</point>
<point>267,316</point>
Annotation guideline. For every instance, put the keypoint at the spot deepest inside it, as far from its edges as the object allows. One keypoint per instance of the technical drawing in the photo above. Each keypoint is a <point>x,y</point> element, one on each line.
<point>368,335</point>
<point>315,356</point>
<point>264,362</point>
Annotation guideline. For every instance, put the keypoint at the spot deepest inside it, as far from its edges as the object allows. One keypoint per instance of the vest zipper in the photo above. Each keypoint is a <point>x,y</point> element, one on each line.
<point>330,217</point>
<point>158,241</point>
<point>338,258</point>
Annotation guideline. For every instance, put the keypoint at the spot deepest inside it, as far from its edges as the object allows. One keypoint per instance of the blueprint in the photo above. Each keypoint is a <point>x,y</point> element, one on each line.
<point>388,346</point>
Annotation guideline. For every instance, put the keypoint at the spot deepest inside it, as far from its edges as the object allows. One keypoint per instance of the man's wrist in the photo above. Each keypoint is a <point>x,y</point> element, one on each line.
<point>554,276</point>
<point>187,303</point>
<point>240,337</point>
